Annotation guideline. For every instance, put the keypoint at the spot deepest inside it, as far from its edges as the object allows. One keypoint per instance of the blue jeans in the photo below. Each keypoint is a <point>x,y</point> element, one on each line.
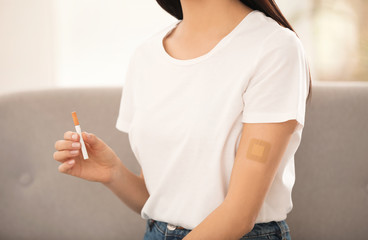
<point>276,230</point>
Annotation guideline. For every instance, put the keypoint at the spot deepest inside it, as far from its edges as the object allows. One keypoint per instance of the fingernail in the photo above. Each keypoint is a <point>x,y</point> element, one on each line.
<point>88,136</point>
<point>71,162</point>
<point>76,144</point>
<point>74,152</point>
<point>74,136</point>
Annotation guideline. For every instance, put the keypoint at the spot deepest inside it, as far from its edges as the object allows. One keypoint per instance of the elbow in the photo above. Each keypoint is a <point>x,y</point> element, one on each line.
<point>247,228</point>
<point>243,222</point>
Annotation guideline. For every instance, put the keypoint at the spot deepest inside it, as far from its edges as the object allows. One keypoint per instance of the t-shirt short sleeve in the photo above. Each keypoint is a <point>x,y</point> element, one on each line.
<point>278,87</point>
<point>127,101</point>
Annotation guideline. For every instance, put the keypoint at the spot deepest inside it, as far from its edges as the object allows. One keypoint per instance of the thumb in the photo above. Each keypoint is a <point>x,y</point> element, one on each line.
<point>93,141</point>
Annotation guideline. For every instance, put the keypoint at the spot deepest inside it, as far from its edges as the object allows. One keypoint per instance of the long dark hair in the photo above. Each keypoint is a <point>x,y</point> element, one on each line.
<point>268,7</point>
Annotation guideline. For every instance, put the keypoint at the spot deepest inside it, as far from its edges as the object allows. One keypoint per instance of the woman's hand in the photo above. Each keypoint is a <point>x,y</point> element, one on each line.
<point>101,166</point>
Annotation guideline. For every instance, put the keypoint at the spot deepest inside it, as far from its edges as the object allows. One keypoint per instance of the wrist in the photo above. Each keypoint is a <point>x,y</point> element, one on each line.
<point>116,174</point>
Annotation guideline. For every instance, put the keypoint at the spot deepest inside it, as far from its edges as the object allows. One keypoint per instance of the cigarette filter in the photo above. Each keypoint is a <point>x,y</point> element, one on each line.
<point>79,131</point>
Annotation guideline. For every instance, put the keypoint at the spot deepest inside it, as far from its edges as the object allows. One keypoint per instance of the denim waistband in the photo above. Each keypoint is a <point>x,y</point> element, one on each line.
<point>165,224</point>
<point>283,226</point>
<point>162,227</point>
<point>259,229</point>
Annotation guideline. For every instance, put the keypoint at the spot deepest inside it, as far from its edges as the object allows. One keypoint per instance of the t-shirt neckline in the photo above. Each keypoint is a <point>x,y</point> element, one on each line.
<point>221,43</point>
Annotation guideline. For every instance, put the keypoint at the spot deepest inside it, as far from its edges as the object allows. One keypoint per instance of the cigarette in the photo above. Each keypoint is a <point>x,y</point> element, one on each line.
<point>79,131</point>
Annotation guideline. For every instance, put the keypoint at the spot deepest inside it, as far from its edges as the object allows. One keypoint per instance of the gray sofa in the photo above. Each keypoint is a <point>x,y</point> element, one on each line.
<point>330,194</point>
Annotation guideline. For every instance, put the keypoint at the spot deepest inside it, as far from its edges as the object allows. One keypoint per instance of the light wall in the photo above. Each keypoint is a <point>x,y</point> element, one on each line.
<point>62,43</point>
<point>96,38</point>
<point>27,53</point>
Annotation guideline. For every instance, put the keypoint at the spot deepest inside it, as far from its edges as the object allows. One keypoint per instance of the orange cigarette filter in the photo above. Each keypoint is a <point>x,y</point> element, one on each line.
<point>75,118</point>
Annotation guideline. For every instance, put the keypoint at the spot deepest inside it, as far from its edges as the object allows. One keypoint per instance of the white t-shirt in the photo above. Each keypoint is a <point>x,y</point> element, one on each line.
<point>185,117</point>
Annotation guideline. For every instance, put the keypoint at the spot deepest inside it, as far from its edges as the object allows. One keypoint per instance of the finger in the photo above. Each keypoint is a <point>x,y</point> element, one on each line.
<point>73,136</point>
<point>93,141</point>
<point>62,156</point>
<point>61,145</point>
<point>87,136</point>
<point>66,166</point>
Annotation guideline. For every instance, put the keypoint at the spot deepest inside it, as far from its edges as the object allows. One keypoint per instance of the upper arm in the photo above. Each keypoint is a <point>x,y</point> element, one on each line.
<point>259,154</point>
<point>274,107</point>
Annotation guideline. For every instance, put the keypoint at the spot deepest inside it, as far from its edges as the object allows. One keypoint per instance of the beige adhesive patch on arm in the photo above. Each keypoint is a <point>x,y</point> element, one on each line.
<point>258,150</point>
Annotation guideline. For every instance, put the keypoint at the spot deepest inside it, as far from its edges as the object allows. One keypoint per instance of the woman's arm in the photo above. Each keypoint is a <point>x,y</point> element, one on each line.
<point>130,188</point>
<point>259,154</point>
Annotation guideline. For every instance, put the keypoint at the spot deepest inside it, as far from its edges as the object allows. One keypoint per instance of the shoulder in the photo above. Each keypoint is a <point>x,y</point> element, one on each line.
<point>283,38</point>
<point>268,34</point>
<point>280,46</point>
<point>149,42</point>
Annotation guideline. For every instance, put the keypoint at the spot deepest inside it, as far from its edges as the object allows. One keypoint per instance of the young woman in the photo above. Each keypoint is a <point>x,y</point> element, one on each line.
<point>214,105</point>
